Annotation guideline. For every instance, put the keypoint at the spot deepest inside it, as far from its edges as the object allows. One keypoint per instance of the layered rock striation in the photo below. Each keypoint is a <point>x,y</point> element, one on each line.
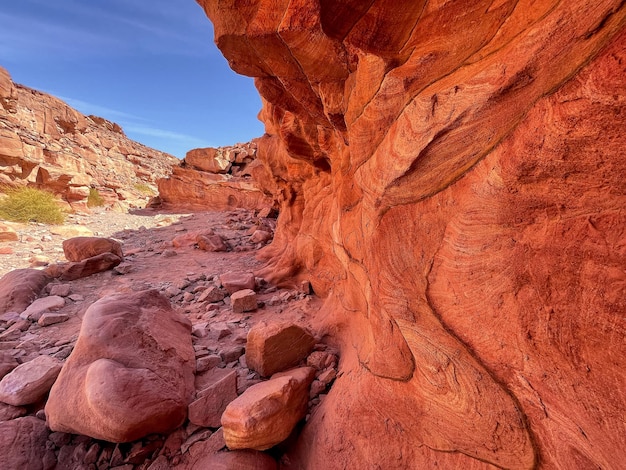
<point>47,144</point>
<point>449,179</point>
<point>216,179</point>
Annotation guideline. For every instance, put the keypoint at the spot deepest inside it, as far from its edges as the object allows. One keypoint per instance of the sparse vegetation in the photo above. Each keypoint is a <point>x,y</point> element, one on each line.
<point>94,199</point>
<point>30,205</point>
<point>145,189</point>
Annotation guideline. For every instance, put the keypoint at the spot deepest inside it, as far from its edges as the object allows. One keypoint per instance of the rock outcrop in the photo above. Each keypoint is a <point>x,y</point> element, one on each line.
<point>450,180</point>
<point>216,179</point>
<point>47,144</point>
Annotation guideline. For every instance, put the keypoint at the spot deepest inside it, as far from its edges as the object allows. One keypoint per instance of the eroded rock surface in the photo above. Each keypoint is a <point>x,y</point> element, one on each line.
<point>128,374</point>
<point>265,414</point>
<point>23,443</point>
<point>46,143</point>
<point>449,179</point>
<point>216,178</point>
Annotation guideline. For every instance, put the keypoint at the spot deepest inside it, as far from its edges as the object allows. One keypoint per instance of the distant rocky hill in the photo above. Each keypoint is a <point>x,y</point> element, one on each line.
<point>47,144</point>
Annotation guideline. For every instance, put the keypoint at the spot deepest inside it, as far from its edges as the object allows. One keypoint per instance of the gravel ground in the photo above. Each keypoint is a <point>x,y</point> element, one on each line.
<point>41,244</point>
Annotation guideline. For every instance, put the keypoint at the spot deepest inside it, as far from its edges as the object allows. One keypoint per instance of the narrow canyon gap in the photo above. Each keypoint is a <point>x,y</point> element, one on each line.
<point>450,180</point>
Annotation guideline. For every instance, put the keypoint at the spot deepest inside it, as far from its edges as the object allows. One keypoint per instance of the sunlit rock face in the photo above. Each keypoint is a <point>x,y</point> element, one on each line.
<point>47,144</point>
<point>450,177</point>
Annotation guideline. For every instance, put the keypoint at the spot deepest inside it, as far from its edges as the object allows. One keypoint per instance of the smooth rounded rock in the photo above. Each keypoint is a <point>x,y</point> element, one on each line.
<point>130,374</point>
<point>29,382</point>
<point>81,248</point>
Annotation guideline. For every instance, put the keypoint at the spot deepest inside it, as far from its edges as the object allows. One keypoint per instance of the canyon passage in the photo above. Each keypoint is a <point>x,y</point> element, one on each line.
<point>450,181</point>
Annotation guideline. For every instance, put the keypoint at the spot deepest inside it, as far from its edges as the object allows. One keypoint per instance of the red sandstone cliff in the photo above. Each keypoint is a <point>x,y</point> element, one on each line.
<point>46,143</point>
<point>216,179</point>
<point>451,180</point>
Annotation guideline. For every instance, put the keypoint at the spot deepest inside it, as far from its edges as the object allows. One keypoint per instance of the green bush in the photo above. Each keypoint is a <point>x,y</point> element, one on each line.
<point>30,205</point>
<point>145,189</point>
<point>94,199</point>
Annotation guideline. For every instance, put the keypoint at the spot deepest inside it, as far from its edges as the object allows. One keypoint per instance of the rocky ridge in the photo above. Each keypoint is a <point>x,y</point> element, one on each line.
<point>47,144</point>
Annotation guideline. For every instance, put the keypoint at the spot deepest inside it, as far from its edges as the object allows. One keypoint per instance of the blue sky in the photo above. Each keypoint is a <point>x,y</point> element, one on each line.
<point>149,65</point>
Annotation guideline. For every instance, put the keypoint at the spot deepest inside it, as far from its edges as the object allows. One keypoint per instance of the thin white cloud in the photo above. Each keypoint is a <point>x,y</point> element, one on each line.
<point>79,28</point>
<point>29,36</point>
<point>103,111</point>
<point>167,135</point>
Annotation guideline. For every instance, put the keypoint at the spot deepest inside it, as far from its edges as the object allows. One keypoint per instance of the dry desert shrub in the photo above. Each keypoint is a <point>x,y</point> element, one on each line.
<point>30,205</point>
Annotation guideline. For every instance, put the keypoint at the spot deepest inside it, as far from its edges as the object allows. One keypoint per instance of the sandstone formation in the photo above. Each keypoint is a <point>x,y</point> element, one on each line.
<point>216,179</point>
<point>28,383</point>
<point>47,144</point>
<point>81,248</point>
<point>19,288</point>
<point>449,176</point>
<point>265,414</point>
<point>128,374</point>
<point>277,346</point>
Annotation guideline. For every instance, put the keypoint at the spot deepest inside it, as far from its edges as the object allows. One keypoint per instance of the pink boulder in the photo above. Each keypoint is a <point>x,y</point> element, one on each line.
<point>19,288</point>
<point>130,374</point>
<point>277,346</point>
<point>234,281</point>
<point>266,413</point>
<point>81,248</point>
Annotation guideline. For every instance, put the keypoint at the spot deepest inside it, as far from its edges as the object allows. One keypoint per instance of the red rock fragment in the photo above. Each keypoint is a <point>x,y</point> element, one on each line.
<point>275,347</point>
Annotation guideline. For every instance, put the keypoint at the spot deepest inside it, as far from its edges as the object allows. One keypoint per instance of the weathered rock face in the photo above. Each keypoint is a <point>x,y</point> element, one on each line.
<point>216,179</point>
<point>450,179</point>
<point>46,143</point>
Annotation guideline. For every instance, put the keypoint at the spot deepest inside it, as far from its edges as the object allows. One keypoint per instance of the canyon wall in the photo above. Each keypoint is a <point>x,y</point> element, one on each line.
<point>450,180</point>
<point>216,179</point>
<point>47,144</point>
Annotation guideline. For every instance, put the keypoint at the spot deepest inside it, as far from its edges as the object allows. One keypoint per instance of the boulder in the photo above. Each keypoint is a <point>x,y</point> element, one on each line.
<point>212,243</point>
<point>275,347</point>
<point>29,382</point>
<point>212,294</point>
<point>260,236</point>
<point>213,160</point>
<point>62,290</point>
<point>71,231</point>
<point>20,287</point>
<point>44,304</point>
<point>23,443</point>
<point>234,281</point>
<point>81,248</point>
<point>189,239</point>
<point>266,413</point>
<point>128,374</point>
<point>243,301</point>
<point>47,318</point>
<point>9,412</point>
<point>207,410</point>
<point>86,267</point>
